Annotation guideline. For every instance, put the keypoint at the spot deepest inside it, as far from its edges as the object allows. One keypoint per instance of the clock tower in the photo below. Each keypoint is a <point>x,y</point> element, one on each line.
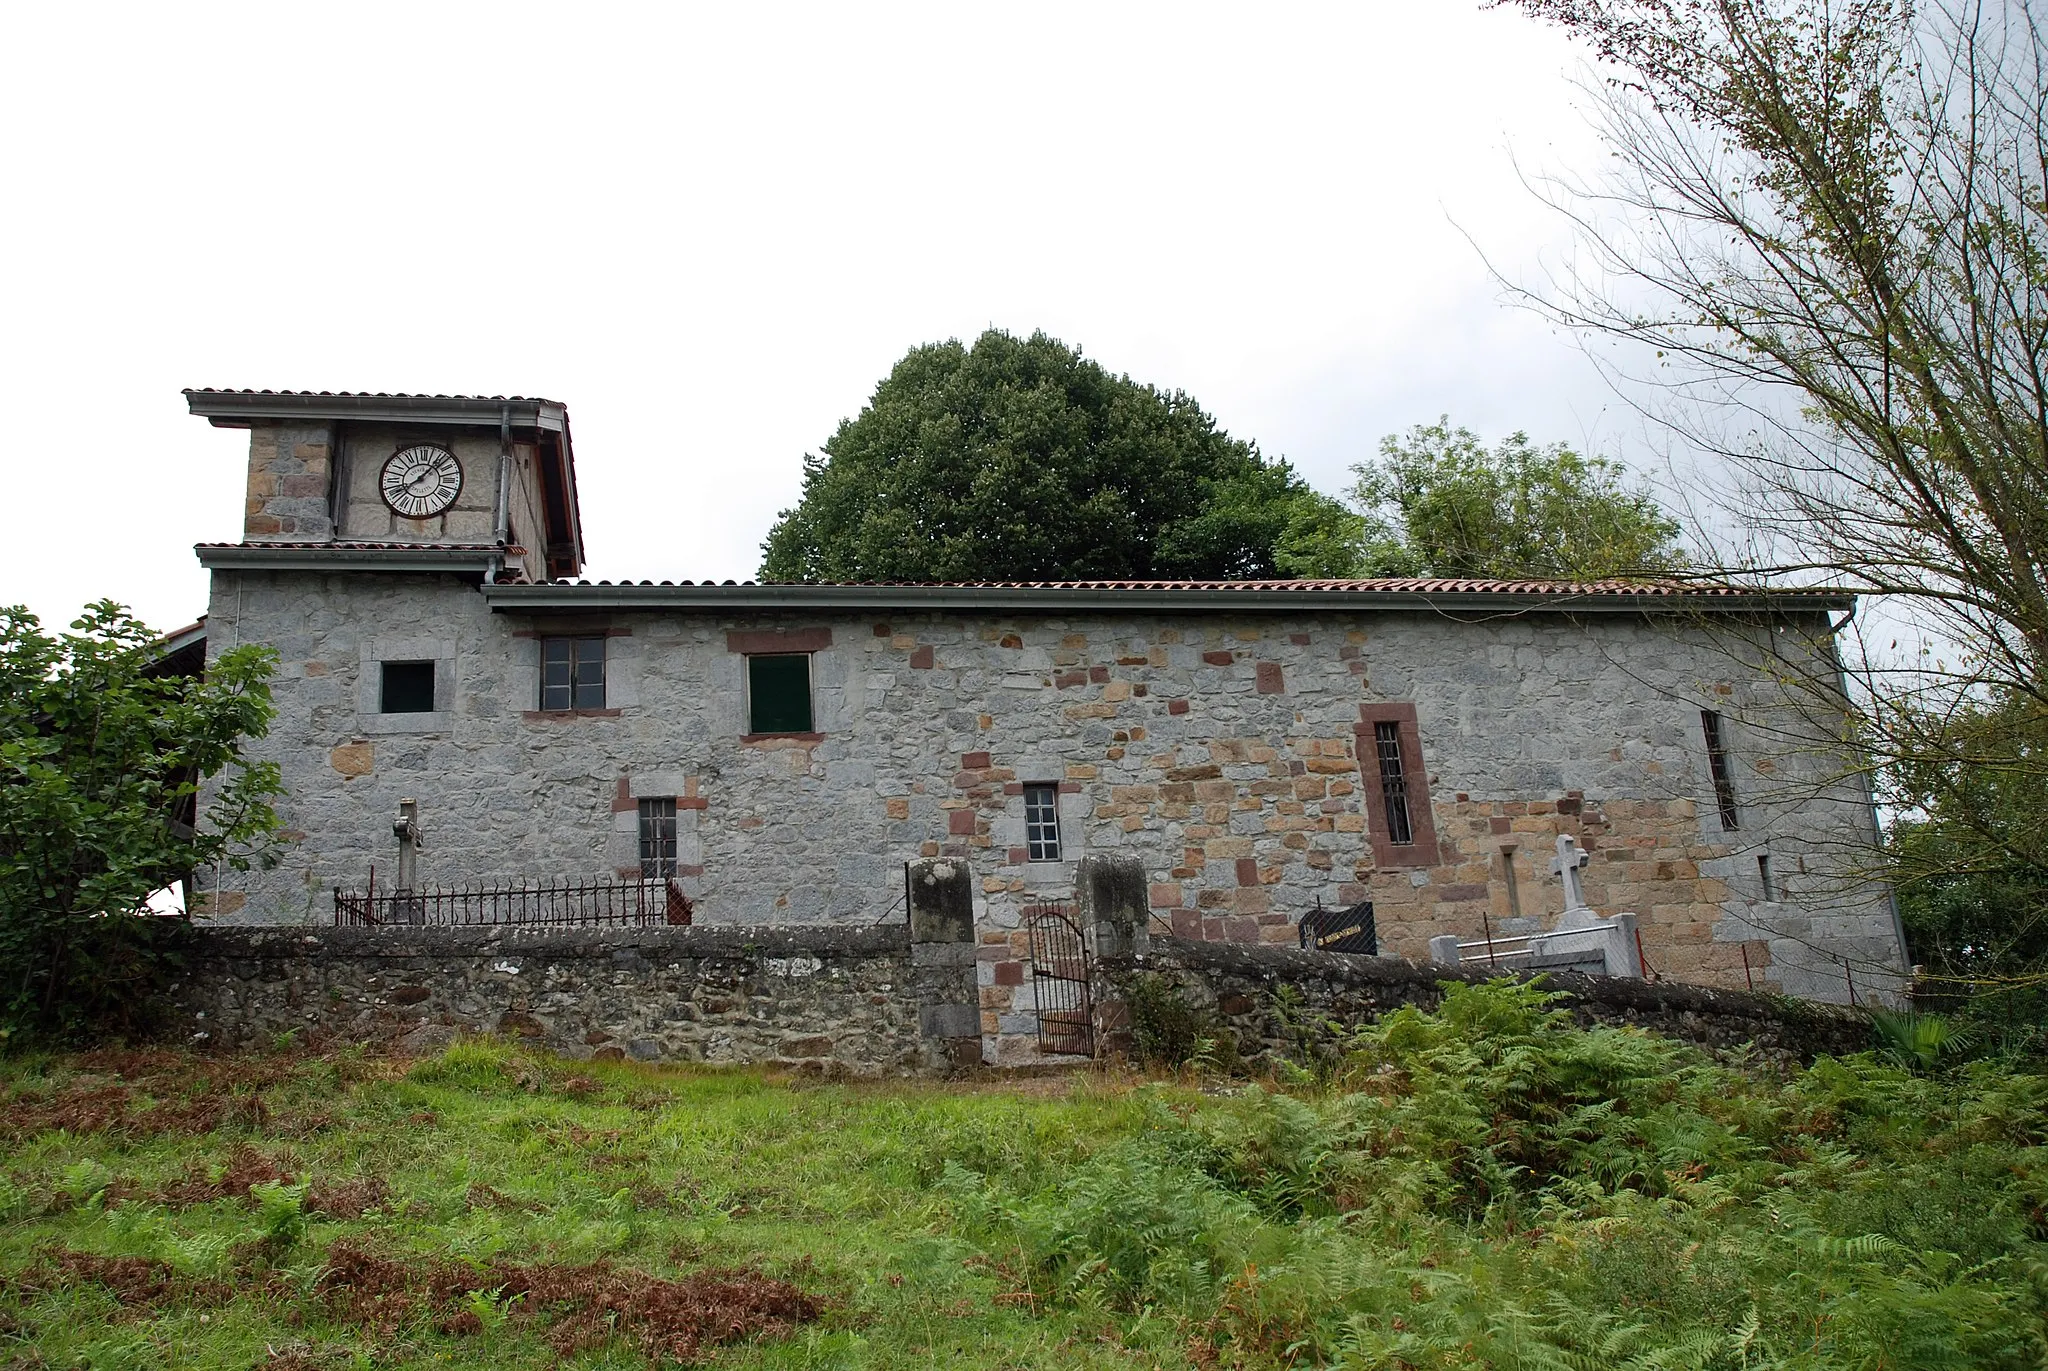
<point>403,481</point>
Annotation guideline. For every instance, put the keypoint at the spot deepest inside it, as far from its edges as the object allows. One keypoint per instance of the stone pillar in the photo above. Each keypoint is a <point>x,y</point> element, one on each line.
<point>290,483</point>
<point>1622,958</point>
<point>1110,896</point>
<point>1443,949</point>
<point>942,959</point>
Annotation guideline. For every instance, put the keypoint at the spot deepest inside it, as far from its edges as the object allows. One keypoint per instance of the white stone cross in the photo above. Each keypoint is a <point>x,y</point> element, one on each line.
<point>1568,863</point>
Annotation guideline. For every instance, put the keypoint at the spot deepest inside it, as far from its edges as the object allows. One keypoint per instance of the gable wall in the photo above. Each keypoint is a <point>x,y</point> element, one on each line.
<point>1220,750</point>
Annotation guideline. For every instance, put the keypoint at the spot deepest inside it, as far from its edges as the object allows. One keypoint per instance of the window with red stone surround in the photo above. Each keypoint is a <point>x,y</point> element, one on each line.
<point>777,643</point>
<point>1401,770</point>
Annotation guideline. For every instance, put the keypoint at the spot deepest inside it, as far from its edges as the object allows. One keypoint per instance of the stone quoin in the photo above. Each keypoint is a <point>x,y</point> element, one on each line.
<point>781,752</point>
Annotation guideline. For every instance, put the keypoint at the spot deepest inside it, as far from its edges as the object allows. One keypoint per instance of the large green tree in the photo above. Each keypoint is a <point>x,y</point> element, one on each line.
<point>1439,502</point>
<point>1020,459</point>
<point>102,758</point>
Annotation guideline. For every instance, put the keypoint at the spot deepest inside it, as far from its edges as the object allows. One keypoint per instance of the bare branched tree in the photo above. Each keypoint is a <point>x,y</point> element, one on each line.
<point>1827,223</point>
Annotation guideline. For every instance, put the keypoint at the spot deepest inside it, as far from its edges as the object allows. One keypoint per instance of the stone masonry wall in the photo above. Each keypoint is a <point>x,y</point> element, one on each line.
<point>838,1000</point>
<point>290,492</point>
<point>318,481</point>
<point>1221,751</point>
<point>1237,984</point>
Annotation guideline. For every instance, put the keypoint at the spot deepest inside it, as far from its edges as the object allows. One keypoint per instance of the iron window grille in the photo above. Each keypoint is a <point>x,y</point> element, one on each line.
<point>1717,764</point>
<point>1042,823</point>
<point>779,693</point>
<point>1393,781</point>
<point>406,688</point>
<point>658,839</point>
<point>572,673</point>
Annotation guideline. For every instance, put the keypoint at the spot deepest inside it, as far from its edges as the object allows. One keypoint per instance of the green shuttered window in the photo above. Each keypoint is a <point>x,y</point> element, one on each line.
<point>779,693</point>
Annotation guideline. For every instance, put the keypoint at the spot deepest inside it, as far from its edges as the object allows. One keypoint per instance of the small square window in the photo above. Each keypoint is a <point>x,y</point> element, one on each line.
<point>779,693</point>
<point>572,673</point>
<point>657,839</point>
<point>1042,822</point>
<point>407,688</point>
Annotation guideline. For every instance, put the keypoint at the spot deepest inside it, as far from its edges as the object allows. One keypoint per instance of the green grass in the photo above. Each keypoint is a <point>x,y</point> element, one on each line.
<point>1484,1186</point>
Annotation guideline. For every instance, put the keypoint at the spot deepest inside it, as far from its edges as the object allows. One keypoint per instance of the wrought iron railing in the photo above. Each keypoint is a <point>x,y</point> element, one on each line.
<point>557,903</point>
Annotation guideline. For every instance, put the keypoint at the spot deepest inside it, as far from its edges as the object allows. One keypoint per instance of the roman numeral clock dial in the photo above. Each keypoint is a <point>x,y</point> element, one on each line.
<point>420,482</point>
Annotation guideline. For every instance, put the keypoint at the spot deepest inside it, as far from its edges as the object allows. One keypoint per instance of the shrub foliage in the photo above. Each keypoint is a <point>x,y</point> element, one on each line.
<point>1490,1185</point>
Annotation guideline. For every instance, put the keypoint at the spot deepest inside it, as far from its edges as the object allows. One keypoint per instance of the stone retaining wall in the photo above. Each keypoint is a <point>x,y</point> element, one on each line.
<point>1236,983</point>
<point>859,1001</point>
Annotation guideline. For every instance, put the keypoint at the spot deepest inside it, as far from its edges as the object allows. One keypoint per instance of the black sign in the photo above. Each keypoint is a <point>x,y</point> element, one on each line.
<point>1341,930</point>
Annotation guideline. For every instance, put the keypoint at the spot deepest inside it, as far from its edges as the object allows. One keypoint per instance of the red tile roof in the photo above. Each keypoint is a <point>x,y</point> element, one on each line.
<point>368,395</point>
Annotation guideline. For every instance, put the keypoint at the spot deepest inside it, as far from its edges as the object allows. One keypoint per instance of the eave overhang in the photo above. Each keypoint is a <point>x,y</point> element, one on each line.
<point>476,560</point>
<point>240,408</point>
<point>562,598</point>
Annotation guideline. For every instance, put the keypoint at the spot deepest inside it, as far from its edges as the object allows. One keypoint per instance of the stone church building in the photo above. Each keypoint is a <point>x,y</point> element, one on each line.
<point>779,752</point>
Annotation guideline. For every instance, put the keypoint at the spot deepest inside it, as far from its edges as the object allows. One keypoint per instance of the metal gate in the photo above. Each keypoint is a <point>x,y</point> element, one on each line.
<point>1059,981</point>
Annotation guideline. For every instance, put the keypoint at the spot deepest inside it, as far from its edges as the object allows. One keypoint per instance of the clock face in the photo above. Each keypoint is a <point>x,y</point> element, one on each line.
<point>419,482</point>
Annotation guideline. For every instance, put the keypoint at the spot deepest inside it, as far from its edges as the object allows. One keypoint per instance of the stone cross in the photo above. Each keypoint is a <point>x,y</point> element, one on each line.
<point>1568,863</point>
<point>407,828</point>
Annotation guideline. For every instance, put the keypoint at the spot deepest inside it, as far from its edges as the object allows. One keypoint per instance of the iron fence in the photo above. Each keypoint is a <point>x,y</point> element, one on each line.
<point>558,903</point>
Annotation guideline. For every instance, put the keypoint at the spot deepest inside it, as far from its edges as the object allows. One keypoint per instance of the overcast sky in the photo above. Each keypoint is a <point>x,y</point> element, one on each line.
<point>711,230</point>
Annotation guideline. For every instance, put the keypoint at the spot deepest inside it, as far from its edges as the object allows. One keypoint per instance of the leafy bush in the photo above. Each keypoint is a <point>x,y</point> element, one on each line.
<point>1169,1031</point>
<point>1490,1184</point>
<point>102,759</point>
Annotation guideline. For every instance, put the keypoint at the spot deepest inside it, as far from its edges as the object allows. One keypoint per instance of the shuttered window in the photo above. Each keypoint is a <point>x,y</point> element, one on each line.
<point>779,693</point>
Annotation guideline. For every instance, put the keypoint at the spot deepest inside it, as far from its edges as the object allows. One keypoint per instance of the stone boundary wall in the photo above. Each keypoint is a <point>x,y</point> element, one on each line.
<point>836,1000</point>
<point>1236,983</point>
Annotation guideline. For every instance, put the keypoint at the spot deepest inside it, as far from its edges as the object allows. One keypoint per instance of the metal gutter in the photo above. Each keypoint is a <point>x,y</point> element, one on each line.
<point>1027,599</point>
<point>257,557</point>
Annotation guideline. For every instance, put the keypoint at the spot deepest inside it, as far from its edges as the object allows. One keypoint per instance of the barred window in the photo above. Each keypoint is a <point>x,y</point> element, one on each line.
<point>658,839</point>
<point>572,673</point>
<point>1393,781</point>
<point>1717,764</point>
<point>1042,822</point>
